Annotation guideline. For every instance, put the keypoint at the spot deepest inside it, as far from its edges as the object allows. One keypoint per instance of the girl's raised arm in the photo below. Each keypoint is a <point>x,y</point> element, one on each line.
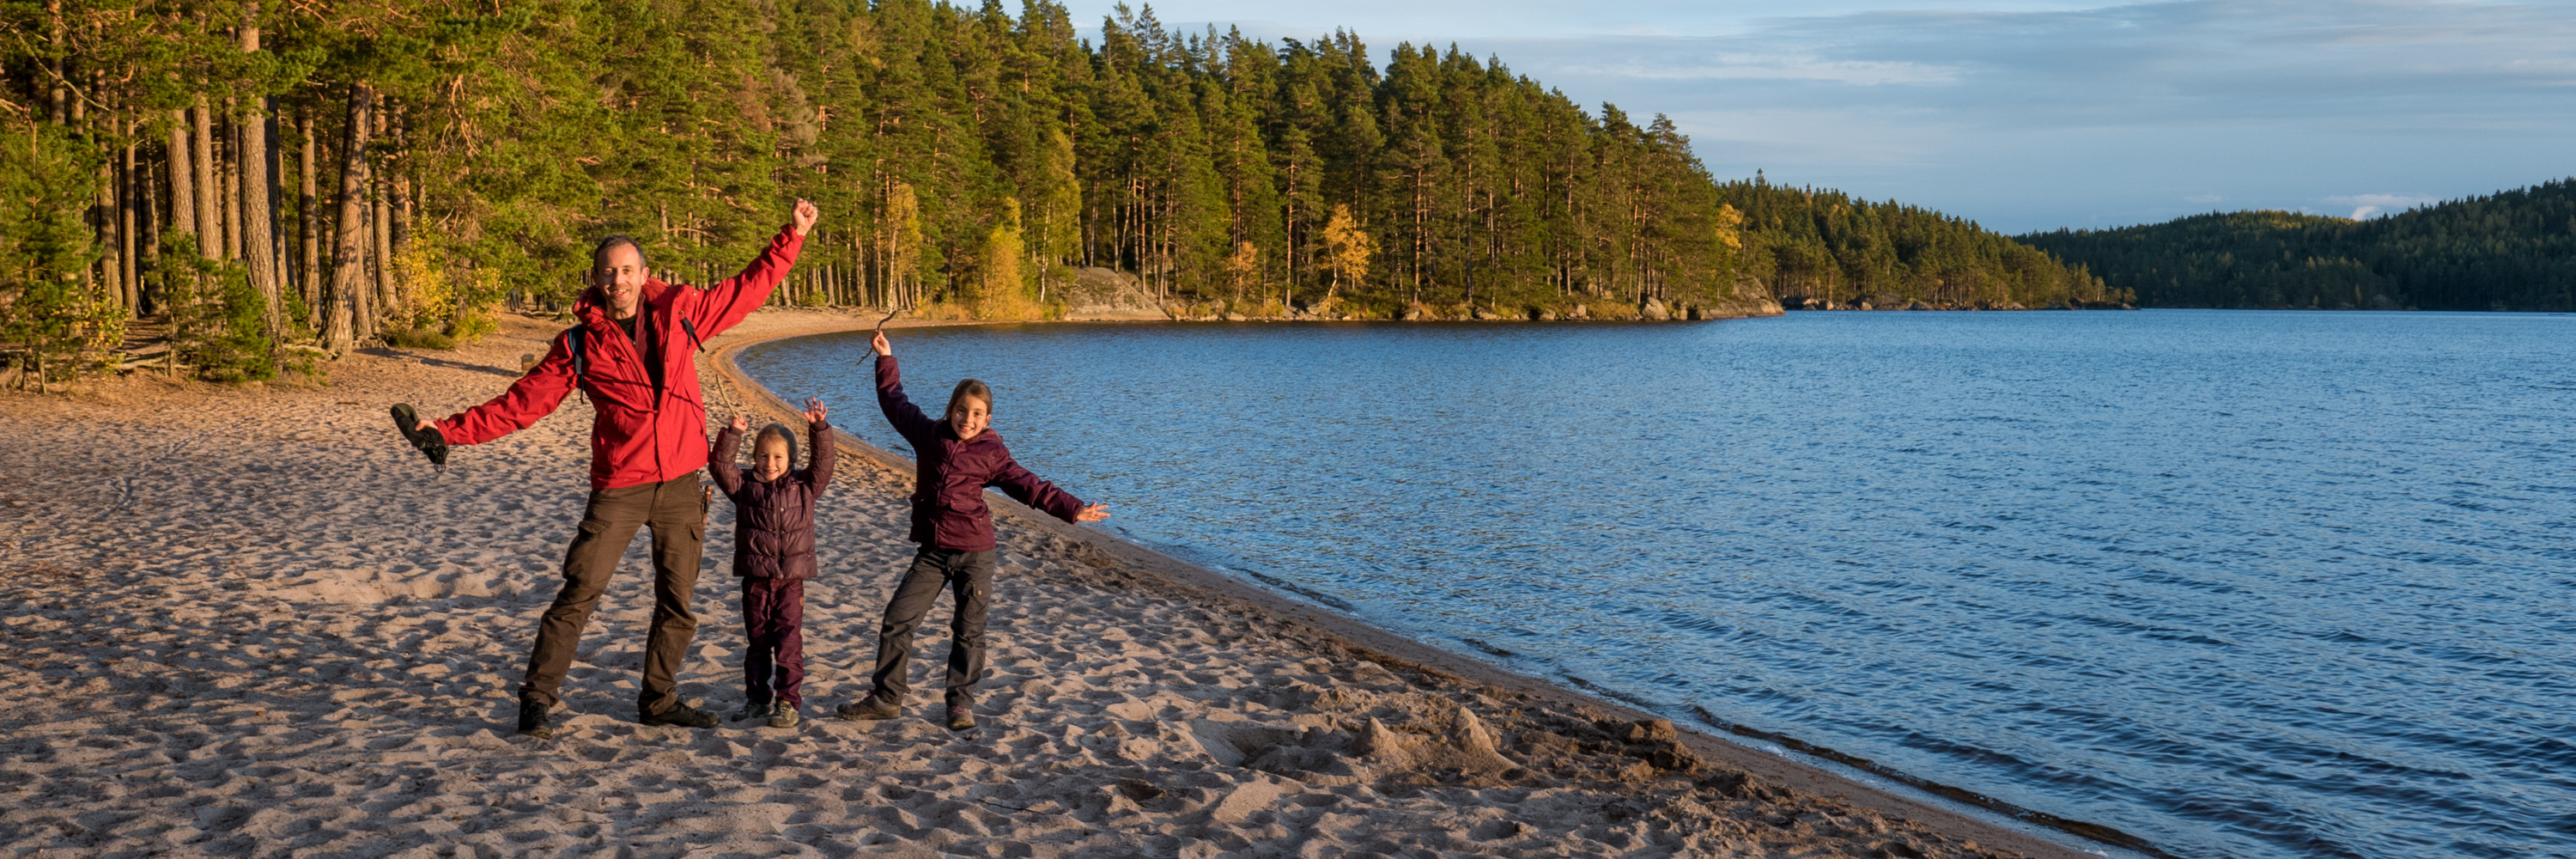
<point>818,471</point>
<point>907,418</point>
<point>720,462</point>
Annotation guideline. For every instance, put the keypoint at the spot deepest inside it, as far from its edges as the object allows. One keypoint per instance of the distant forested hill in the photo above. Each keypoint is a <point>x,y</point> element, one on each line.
<point>2510,251</point>
<point>1825,247</point>
<point>277,173</point>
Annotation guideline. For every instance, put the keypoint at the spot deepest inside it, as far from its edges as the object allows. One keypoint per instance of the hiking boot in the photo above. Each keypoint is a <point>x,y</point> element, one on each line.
<point>785,716</point>
<point>869,709</point>
<point>533,721</point>
<point>682,715</point>
<point>750,711</point>
<point>960,717</point>
<point>428,441</point>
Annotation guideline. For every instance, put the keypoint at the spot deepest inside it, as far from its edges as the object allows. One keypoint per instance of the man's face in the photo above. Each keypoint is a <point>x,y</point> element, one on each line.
<point>621,275</point>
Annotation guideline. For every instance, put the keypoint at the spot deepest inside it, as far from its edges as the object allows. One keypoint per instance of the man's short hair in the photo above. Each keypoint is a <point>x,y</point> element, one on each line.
<point>599,255</point>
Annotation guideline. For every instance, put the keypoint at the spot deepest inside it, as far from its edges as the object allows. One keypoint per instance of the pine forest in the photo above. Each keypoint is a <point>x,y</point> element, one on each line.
<point>2514,250</point>
<point>268,185</point>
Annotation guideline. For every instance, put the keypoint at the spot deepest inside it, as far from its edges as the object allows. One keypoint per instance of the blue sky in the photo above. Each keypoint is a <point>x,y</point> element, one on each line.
<point>2031,114</point>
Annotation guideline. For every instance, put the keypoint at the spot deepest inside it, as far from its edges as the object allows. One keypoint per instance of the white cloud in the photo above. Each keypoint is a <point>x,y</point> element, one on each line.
<point>1777,67</point>
<point>2035,114</point>
<point>2369,205</point>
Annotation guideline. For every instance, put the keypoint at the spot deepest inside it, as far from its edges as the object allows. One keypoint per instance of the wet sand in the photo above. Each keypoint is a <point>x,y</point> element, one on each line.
<point>250,622</point>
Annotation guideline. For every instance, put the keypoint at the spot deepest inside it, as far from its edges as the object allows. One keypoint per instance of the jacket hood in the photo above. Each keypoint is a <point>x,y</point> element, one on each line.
<point>753,442</point>
<point>592,306</point>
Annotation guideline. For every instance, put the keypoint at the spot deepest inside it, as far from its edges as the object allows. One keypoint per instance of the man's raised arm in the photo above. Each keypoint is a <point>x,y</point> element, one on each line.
<point>533,396</point>
<point>726,303</point>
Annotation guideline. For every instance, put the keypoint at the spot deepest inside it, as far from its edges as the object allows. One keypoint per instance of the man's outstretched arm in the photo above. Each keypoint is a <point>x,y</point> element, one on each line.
<point>726,303</point>
<point>533,396</point>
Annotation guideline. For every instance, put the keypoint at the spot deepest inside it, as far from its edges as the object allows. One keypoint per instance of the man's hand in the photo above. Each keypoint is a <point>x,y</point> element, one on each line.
<point>880,346</point>
<point>1091,513</point>
<point>424,425</point>
<point>741,423</point>
<point>815,411</point>
<point>805,215</point>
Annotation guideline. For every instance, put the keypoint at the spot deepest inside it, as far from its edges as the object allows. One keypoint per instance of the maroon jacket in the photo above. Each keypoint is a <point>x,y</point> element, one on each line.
<point>638,434</point>
<point>774,519</point>
<point>948,509</point>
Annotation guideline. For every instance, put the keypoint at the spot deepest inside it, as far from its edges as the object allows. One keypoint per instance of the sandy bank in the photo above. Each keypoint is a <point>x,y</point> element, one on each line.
<point>246,621</point>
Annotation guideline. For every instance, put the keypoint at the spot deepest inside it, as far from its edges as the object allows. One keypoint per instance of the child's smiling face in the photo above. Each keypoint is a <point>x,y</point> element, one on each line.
<point>968,416</point>
<point>769,457</point>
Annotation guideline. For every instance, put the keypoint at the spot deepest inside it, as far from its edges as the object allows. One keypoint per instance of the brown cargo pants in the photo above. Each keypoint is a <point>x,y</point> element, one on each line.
<point>673,508</point>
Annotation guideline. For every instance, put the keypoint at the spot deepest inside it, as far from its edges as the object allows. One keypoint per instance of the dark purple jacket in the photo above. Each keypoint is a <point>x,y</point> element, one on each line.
<point>774,519</point>
<point>948,509</point>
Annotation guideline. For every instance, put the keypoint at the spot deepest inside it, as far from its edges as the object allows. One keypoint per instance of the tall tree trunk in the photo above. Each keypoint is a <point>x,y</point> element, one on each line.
<point>349,285</point>
<point>379,256</point>
<point>381,217</point>
<point>400,168</point>
<point>308,219</point>
<point>183,186</point>
<point>210,219</point>
<point>259,239</point>
<point>56,93</point>
<point>103,223</point>
<point>232,193</point>
<point>154,223</point>
<point>129,184</point>
<point>380,234</point>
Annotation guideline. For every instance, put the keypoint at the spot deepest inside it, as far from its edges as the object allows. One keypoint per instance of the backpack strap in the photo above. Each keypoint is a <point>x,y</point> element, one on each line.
<point>695,342</point>
<point>577,342</point>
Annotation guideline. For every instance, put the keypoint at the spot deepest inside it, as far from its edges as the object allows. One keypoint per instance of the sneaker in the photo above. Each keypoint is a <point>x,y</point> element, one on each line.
<point>751,711</point>
<point>785,716</point>
<point>533,721</point>
<point>869,709</point>
<point>681,714</point>
<point>960,717</point>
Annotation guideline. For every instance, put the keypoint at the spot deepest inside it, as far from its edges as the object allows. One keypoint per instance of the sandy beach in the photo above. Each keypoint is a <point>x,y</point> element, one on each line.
<point>250,622</point>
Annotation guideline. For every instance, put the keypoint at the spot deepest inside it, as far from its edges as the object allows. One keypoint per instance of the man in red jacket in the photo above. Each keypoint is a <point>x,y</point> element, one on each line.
<point>634,355</point>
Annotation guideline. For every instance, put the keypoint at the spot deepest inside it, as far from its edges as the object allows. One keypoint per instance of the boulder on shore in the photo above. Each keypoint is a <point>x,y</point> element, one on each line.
<point>1107,293</point>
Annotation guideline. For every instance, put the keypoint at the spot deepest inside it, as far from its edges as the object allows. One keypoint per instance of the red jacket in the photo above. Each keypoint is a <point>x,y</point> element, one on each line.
<point>948,509</point>
<point>638,436</point>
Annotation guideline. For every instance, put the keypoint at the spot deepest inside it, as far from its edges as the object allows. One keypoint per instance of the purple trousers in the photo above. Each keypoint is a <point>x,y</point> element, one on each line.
<point>773,618</point>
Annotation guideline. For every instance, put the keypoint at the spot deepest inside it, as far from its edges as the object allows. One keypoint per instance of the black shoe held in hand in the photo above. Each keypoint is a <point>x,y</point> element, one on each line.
<point>428,441</point>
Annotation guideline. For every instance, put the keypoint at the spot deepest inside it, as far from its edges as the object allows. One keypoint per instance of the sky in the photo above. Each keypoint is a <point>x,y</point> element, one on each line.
<point>2030,114</point>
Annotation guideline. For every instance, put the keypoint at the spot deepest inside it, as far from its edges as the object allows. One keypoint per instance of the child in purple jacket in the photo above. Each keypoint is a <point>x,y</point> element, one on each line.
<point>773,553</point>
<point>958,456</point>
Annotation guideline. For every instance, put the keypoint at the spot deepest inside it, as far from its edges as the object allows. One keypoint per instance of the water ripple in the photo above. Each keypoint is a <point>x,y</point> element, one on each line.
<point>2241,584</point>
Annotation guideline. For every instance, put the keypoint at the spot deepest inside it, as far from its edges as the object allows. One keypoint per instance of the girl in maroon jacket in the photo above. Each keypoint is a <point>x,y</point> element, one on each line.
<point>958,456</point>
<point>773,553</point>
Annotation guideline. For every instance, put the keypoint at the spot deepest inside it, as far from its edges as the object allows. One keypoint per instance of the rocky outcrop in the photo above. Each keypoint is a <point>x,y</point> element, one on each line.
<point>1104,293</point>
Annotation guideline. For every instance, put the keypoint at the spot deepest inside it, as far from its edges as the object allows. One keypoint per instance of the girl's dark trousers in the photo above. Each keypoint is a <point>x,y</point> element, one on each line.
<point>773,619</point>
<point>970,576</point>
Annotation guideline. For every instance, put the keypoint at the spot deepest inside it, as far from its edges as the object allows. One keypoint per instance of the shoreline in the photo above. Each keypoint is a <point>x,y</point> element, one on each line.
<point>247,620</point>
<point>1399,652</point>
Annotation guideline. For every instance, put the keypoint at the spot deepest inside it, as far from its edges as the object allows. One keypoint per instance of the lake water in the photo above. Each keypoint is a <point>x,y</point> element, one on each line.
<point>2235,583</point>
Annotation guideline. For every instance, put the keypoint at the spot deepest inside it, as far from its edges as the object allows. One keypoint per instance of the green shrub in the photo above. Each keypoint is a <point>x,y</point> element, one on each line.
<point>419,338</point>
